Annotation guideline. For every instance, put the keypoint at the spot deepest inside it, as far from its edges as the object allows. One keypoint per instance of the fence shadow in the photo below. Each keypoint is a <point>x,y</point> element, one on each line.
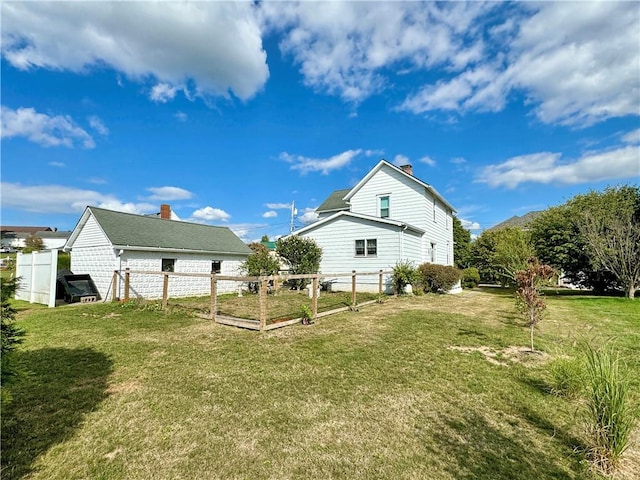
<point>59,387</point>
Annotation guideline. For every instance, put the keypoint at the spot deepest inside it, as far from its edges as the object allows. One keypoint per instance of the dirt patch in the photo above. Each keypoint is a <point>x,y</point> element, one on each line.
<point>507,355</point>
<point>124,387</point>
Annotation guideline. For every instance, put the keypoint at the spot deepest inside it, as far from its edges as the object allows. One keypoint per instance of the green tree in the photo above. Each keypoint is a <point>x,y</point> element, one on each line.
<point>33,244</point>
<point>560,239</point>
<point>260,262</point>
<point>303,255</point>
<point>265,238</point>
<point>499,254</point>
<point>461,245</point>
<point>11,337</point>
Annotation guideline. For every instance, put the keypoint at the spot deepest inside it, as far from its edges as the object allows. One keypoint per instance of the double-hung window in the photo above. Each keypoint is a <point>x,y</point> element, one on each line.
<point>366,248</point>
<point>384,207</point>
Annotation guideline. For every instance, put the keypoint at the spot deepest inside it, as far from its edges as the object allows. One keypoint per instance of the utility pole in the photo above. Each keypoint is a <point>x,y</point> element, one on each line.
<point>293,213</point>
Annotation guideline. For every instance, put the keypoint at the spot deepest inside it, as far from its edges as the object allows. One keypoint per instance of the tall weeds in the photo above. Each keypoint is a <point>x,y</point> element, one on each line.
<point>610,414</point>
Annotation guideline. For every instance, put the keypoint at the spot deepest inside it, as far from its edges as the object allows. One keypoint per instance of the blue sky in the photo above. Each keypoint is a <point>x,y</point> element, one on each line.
<point>231,111</point>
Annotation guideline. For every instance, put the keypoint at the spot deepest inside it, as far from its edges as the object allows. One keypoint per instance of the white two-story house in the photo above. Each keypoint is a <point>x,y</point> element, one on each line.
<point>388,217</point>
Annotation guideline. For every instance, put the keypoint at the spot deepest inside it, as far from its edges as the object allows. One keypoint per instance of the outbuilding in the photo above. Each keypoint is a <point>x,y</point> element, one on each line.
<point>105,241</point>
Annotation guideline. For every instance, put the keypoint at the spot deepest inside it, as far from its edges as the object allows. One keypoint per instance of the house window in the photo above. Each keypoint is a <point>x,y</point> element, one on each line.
<point>168,264</point>
<point>216,266</point>
<point>367,248</point>
<point>384,207</point>
<point>372,247</point>
<point>433,252</point>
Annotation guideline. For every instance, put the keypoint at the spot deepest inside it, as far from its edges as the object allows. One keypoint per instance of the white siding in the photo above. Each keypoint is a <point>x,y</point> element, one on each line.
<point>91,235</point>
<point>337,239</point>
<point>99,262</point>
<point>412,203</point>
<point>150,286</point>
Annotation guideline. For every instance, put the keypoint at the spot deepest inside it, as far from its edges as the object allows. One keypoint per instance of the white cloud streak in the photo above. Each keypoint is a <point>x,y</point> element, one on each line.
<point>545,168</point>
<point>169,193</point>
<point>63,199</point>
<point>270,214</point>
<point>98,125</point>
<point>162,93</point>
<point>322,165</point>
<point>45,130</point>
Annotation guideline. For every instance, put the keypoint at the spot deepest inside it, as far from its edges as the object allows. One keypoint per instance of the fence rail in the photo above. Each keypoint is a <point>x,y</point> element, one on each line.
<point>265,284</point>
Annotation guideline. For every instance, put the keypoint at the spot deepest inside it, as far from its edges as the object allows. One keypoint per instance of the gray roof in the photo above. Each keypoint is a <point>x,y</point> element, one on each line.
<point>334,202</point>
<point>129,230</point>
<point>519,222</point>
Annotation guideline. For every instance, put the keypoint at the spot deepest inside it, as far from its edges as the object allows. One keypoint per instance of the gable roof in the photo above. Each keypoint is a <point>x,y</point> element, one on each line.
<point>518,222</point>
<point>139,232</point>
<point>23,229</point>
<point>335,202</point>
<point>383,163</point>
<point>382,221</point>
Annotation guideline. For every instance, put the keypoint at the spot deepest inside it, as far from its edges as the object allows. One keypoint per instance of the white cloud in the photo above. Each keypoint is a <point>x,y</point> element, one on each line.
<point>400,160</point>
<point>278,206</point>
<point>270,214</point>
<point>62,199</point>
<point>632,137</point>
<point>309,216</point>
<point>347,48</point>
<point>98,125</point>
<point>545,167</point>
<point>169,193</point>
<point>428,160</point>
<point>322,165</point>
<point>211,214</point>
<point>181,116</point>
<point>458,161</point>
<point>162,93</point>
<point>57,164</point>
<point>43,129</point>
<point>215,45</point>
<point>469,224</point>
<point>576,64</point>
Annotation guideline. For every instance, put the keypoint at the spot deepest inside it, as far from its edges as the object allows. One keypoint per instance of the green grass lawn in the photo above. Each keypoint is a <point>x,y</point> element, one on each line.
<point>426,387</point>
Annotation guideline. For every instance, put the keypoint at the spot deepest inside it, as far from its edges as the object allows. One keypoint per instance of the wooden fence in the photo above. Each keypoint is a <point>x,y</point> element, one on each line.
<point>263,283</point>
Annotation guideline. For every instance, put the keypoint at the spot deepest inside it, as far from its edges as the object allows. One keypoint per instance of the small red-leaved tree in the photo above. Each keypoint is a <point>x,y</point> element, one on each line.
<point>529,300</point>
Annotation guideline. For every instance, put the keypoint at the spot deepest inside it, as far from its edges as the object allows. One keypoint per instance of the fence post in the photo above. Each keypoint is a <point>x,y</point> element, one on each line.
<point>165,290</point>
<point>353,288</point>
<point>127,279</point>
<point>114,286</point>
<point>380,286</point>
<point>214,297</point>
<point>314,297</point>
<point>263,303</point>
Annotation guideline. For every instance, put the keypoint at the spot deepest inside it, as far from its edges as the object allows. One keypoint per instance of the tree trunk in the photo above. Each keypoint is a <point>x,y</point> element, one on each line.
<point>631,292</point>
<point>532,349</point>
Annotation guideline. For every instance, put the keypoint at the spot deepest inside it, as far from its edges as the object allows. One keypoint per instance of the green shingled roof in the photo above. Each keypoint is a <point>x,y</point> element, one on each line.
<point>126,229</point>
<point>334,202</point>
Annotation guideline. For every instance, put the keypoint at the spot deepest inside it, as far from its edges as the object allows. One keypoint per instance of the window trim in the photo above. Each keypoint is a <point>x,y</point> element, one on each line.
<point>365,242</point>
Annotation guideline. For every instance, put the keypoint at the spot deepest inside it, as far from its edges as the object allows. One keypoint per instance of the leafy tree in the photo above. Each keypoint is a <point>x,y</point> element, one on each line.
<point>33,244</point>
<point>265,238</point>
<point>11,337</point>
<point>302,254</point>
<point>461,245</point>
<point>499,254</point>
<point>559,239</point>
<point>260,262</point>
<point>529,301</point>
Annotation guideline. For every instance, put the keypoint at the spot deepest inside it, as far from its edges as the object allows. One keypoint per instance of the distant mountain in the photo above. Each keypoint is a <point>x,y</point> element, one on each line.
<point>519,222</point>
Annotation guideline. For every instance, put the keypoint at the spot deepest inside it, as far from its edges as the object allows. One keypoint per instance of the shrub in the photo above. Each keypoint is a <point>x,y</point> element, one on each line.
<point>11,337</point>
<point>567,378</point>
<point>438,278</point>
<point>404,273</point>
<point>470,277</point>
<point>609,411</point>
<point>303,255</point>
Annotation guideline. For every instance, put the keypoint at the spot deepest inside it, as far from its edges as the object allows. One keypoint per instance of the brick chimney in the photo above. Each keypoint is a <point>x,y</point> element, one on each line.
<point>165,211</point>
<point>408,169</point>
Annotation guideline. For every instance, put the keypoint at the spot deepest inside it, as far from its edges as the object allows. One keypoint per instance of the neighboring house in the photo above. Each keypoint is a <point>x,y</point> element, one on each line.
<point>14,237</point>
<point>387,217</point>
<point>104,241</point>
